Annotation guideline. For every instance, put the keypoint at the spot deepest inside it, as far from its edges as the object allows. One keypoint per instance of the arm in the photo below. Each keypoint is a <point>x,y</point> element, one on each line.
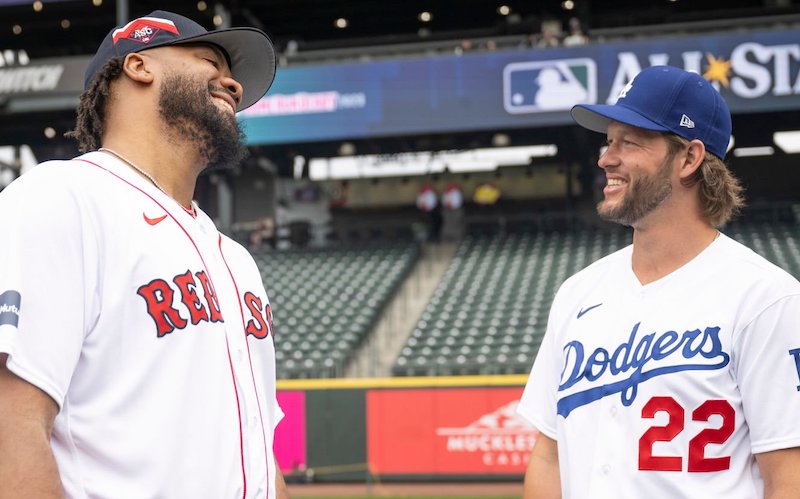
<point>281,490</point>
<point>779,470</point>
<point>542,479</point>
<point>27,465</point>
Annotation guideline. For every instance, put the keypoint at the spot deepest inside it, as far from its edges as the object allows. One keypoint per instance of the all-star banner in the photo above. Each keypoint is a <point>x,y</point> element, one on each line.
<point>755,72</point>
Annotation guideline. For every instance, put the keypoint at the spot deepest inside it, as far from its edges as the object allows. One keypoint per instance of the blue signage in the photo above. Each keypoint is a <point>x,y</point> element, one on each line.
<point>755,72</point>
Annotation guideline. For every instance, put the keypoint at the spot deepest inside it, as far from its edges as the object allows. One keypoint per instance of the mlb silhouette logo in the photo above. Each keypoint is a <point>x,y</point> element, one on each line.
<point>542,86</point>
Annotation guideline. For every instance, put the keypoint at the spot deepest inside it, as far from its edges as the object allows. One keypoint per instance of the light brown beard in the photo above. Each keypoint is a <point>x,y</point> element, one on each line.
<point>642,196</point>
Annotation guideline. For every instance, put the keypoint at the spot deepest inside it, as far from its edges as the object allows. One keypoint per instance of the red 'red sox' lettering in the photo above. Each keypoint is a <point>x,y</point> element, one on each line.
<point>211,297</point>
<point>188,288</point>
<point>260,325</point>
<point>158,295</point>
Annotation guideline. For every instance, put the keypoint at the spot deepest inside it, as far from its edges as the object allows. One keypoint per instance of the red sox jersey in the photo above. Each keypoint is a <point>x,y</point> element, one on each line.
<point>669,389</point>
<point>150,330</point>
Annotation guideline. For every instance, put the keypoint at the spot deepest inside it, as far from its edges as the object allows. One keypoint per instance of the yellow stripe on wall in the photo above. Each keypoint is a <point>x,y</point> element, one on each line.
<point>402,382</point>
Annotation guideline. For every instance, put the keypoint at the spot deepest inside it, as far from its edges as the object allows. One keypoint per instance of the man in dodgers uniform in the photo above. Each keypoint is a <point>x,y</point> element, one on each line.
<point>135,340</point>
<point>671,368</point>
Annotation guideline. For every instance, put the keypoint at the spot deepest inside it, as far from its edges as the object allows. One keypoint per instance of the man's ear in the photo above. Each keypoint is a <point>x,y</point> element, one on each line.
<point>137,67</point>
<point>695,153</point>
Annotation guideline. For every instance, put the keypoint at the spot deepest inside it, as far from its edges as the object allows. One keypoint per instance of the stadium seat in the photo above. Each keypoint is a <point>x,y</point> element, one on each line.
<point>325,301</point>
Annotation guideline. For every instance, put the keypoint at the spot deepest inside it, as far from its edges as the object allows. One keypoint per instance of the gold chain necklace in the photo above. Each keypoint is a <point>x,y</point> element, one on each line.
<point>190,210</point>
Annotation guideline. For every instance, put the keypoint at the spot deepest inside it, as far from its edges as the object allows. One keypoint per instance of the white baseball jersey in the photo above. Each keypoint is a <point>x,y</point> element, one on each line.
<point>668,390</point>
<point>149,328</point>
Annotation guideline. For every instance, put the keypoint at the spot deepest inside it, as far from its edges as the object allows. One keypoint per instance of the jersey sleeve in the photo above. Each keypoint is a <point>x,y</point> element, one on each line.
<point>42,268</point>
<point>538,402</point>
<point>768,371</point>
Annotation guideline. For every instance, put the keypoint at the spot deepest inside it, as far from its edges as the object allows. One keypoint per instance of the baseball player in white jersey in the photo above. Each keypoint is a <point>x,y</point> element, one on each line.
<point>136,345</point>
<point>671,368</point>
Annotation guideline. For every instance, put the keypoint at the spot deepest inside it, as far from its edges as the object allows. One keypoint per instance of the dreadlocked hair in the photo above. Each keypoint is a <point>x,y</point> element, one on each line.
<point>91,110</point>
<point>721,193</point>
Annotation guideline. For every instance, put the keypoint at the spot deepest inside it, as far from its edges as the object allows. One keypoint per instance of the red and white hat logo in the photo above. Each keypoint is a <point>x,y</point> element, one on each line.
<point>144,29</point>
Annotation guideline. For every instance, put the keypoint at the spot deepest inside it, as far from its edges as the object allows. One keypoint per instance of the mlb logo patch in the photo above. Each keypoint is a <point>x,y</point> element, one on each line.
<point>144,29</point>
<point>555,85</point>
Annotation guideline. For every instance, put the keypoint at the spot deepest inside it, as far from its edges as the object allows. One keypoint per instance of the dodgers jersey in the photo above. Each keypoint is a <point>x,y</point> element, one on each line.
<point>150,330</point>
<point>667,389</point>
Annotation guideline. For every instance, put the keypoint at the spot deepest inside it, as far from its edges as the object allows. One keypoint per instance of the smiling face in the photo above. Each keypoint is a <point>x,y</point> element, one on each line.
<point>639,170</point>
<point>198,99</point>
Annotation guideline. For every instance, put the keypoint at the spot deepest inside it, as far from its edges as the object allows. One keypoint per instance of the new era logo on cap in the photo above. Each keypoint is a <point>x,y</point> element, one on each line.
<point>686,122</point>
<point>144,29</point>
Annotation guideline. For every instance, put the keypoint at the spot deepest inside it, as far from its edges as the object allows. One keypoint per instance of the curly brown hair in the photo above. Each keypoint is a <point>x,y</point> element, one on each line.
<point>91,110</point>
<point>721,193</point>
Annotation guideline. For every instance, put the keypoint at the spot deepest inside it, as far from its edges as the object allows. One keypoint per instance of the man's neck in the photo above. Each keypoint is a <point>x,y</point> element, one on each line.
<point>661,248</point>
<point>174,170</point>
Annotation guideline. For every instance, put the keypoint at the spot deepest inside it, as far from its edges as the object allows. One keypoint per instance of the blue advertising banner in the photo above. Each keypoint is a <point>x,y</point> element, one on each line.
<point>755,72</point>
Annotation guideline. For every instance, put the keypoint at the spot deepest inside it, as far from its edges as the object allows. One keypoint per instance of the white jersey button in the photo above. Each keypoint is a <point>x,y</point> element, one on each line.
<point>606,469</point>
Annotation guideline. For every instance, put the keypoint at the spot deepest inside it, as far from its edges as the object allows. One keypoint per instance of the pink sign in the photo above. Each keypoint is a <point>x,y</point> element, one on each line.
<point>290,435</point>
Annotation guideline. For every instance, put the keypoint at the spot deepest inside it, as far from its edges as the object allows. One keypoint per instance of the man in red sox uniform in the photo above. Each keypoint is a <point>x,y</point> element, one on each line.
<point>136,346</point>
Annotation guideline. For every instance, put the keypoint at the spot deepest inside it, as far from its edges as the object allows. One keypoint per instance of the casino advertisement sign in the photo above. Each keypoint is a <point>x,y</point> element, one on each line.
<point>447,431</point>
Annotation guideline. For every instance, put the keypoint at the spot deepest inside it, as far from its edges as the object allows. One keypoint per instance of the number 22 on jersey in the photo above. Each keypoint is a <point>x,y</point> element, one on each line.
<point>697,460</point>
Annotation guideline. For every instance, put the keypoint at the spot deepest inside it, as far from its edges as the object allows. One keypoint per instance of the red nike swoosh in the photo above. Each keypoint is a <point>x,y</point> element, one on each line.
<point>153,221</point>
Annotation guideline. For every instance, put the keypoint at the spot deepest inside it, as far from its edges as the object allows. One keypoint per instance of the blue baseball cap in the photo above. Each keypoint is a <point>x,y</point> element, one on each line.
<point>666,99</point>
<point>249,51</point>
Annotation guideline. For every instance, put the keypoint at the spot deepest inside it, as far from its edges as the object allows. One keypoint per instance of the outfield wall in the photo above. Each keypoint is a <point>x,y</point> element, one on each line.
<point>425,428</point>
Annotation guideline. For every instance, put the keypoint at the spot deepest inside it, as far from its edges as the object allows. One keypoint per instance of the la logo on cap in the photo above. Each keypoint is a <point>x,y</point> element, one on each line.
<point>624,92</point>
<point>144,29</point>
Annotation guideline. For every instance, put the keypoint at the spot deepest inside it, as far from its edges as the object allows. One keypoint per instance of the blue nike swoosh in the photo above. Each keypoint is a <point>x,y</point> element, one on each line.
<point>583,311</point>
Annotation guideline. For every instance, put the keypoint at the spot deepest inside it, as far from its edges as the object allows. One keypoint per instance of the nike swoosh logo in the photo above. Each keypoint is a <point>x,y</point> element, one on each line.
<point>153,221</point>
<point>583,311</point>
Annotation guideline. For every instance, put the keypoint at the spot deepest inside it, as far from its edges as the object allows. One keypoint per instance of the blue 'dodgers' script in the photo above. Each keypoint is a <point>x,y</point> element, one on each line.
<point>635,361</point>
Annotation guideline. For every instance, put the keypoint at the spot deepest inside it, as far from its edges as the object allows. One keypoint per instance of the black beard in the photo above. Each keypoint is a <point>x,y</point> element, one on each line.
<point>187,108</point>
<point>642,196</point>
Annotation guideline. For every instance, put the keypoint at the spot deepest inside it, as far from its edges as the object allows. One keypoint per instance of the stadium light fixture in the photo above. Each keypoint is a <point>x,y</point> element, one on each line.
<point>745,152</point>
<point>426,162</point>
<point>789,141</point>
